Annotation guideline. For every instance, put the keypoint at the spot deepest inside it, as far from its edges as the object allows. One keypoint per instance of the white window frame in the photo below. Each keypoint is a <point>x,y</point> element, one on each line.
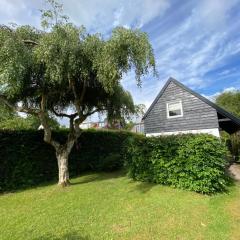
<point>181,108</point>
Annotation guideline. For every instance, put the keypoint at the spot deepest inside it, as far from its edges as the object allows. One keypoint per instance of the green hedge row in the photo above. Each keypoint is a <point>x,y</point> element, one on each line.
<point>25,160</point>
<point>193,162</point>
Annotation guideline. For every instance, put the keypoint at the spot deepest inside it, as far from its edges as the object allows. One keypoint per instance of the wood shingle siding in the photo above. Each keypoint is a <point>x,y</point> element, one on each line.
<point>196,113</point>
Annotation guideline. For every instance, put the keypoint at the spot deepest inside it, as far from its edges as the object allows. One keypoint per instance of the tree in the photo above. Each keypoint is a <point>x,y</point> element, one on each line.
<point>6,113</point>
<point>45,72</point>
<point>11,120</point>
<point>18,123</point>
<point>120,108</point>
<point>230,101</point>
<point>140,110</point>
<point>133,117</point>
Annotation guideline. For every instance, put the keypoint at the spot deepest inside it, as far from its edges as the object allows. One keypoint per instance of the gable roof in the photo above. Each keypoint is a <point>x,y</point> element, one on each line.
<point>213,105</point>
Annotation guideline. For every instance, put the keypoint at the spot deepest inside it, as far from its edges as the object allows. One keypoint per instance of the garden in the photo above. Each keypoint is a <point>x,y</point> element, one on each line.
<point>111,184</point>
<point>123,186</point>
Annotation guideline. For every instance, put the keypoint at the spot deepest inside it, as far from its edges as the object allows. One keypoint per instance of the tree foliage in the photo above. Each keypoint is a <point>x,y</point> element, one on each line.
<point>70,67</point>
<point>16,122</point>
<point>5,112</point>
<point>230,101</point>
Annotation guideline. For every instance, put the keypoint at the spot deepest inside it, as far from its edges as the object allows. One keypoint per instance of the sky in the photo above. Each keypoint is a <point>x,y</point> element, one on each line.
<point>195,42</point>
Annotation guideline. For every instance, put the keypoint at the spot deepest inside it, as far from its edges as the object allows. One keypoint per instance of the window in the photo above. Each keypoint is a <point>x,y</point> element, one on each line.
<point>174,109</point>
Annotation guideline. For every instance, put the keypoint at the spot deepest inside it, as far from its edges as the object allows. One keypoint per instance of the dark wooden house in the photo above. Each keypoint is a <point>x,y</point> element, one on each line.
<point>178,110</point>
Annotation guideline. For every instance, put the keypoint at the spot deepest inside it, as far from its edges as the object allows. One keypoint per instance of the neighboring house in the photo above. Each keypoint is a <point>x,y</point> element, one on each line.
<point>97,125</point>
<point>40,127</point>
<point>177,110</point>
<point>138,127</point>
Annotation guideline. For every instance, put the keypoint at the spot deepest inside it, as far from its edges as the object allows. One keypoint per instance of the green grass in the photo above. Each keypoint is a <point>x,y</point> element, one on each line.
<point>111,206</point>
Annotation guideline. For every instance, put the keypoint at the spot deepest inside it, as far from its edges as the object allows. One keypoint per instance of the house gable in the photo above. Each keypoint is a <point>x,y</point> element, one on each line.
<point>197,114</point>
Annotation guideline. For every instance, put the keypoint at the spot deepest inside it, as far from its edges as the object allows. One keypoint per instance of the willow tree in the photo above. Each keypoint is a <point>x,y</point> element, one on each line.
<point>62,68</point>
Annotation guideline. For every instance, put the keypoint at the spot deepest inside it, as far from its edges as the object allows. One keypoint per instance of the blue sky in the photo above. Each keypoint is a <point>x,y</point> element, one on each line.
<point>196,42</point>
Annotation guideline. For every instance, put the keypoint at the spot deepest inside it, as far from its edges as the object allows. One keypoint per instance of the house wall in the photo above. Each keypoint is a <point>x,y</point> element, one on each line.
<point>138,128</point>
<point>214,131</point>
<point>197,115</point>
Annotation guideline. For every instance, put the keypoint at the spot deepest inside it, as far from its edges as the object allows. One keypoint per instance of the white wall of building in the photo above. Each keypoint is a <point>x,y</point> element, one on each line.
<point>213,131</point>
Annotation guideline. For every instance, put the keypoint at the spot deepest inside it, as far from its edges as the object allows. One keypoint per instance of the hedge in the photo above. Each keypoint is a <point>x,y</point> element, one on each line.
<point>193,162</point>
<point>25,160</point>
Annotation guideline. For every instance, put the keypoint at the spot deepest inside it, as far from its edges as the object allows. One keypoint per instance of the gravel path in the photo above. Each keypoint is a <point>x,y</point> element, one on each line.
<point>234,170</point>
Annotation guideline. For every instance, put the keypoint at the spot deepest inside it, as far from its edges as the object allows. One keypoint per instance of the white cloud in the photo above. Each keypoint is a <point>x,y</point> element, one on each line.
<point>229,89</point>
<point>214,14</point>
<point>102,16</point>
<point>20,12</point>
<point>140,12</point>
<point>212,97</point>
<point>189,51</point>
<point>95,15</point>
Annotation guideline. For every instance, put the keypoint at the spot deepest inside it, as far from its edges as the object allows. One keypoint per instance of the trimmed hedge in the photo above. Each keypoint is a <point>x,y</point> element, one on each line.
<point>193,162</point>
<point>25,160</point>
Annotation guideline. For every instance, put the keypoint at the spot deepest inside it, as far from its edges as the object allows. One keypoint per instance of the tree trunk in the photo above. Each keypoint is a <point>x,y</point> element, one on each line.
<point>63,173</point>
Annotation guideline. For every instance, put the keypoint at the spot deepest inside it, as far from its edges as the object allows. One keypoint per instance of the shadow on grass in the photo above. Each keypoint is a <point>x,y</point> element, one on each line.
<point>86,177</point>
<point>144,187</point>
<point>67,236</point>
<point>24,188</point>
<point>93,177</point>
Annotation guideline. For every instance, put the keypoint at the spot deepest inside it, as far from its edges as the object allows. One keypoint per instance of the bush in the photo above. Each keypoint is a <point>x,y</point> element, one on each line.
<point>232,142</point>
<point>25,160</point>
<point>194,162</point>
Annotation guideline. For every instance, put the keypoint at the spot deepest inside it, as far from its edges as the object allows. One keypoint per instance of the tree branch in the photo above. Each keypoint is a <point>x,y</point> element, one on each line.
<point>28,41</point>
<point>43,116</point>
<point>83,92</point>
<point>94,111</point>
<point>72,137</point>
<point>74,115</point>
<point>77,122</point>
<point>78,100</point>
<point>5,27</point>
<point>17,108</point>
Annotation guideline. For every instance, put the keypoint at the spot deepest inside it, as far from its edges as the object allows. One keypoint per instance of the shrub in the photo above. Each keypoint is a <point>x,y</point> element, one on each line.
<point>232,142</point>
<point>194,162</point>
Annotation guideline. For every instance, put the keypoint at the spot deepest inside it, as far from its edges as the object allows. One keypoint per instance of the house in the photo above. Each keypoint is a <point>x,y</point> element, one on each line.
<point>97,125</point>
<point>100,125</point>
<point>178,110</point>
<point>138,127</point>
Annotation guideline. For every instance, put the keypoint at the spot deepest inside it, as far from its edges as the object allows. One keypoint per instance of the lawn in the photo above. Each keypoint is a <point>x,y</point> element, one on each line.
<point>111,206</point>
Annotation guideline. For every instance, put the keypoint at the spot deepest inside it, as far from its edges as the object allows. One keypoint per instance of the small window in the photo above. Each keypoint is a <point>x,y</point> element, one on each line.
<point>174,109</point>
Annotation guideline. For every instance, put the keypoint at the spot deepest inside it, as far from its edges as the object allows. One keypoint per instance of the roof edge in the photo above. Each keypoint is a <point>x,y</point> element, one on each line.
<point>158,96</point>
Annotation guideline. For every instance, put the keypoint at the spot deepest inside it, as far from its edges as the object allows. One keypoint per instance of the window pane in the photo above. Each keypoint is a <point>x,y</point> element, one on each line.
<point>175,112</point>
<point>174,109</point>
<point>173,106</point>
